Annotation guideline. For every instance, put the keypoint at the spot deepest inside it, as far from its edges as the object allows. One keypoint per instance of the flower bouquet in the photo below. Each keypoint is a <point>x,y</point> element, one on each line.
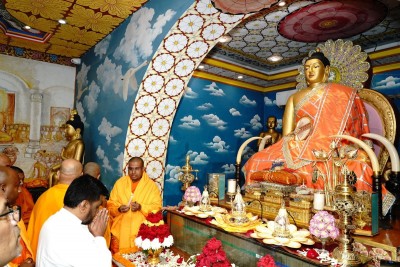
<point>192,195</point>
<point>213,255</point>
<point>322,226</point>
<point>153,236</point>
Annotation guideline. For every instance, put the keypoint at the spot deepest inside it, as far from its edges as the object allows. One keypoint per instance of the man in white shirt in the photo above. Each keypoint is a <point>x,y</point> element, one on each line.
<point>74,236</point>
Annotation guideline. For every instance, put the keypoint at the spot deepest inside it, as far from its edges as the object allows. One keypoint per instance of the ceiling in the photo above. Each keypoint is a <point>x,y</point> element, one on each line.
<point>289,31</point>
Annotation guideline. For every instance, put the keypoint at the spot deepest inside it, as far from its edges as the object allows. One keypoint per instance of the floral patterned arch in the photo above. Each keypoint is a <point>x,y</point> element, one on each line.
<point>194,34</point>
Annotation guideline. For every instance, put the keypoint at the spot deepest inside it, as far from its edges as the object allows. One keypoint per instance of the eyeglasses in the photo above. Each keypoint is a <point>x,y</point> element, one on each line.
<point>13,213</point>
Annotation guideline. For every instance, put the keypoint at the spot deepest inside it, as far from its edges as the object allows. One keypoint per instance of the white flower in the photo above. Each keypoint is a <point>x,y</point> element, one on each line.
<point>197,49</point>
<point>146,244</point>
<point>136,147</point>
<point>227,18</point>
<point>163,62</point>
<point>160,127</point>
<point>153,83</point>
<point>168,241</point>
<point>140,126</point>
<point>145,104</point>
<point>213,31</point>
<point>191,23</point>
<point>174,87</point>
<point>156,148</point>
<point>175,42</point>
<point>154,169</point>
<point>166,107</point>
<point>184,68</point>
<point>205,7</point>
<point>155,244</point>
<point>138,241</point>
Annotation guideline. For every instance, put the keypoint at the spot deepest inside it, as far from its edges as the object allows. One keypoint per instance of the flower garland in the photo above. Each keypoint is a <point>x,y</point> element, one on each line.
<point>153,233</point>
<point>322,225</point>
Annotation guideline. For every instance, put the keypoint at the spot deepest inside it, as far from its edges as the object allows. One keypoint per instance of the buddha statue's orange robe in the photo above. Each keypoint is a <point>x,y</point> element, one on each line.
<point>25,201</point>
<point>47,204</point>
<point>26,248</point>
<point>125,226</point>
<point>333,109</point>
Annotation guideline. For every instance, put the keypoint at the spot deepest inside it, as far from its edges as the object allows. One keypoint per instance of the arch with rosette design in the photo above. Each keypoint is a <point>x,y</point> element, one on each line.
<point>191,38</point>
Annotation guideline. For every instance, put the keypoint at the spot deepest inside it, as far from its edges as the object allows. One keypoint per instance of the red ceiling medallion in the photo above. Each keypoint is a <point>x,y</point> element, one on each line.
<point>331,20</point>
<point>236,7</point>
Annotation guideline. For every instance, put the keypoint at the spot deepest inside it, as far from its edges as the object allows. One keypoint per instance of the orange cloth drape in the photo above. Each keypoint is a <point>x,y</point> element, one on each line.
<point>26,248</point>
<point>48,203</point>
<point>126,225</point>
<point>25,201</point>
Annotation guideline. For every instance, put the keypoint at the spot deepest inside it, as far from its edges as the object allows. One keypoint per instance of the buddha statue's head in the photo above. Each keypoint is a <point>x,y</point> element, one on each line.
<point>74,126</point>
<point>316,69</point>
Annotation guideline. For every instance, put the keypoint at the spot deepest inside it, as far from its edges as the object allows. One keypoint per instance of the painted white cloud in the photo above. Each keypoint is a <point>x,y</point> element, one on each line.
<point>188,122</point>
<point>247,153</point>
<point>105,162</point>
<point>214,90</point>
<point>120,159</point>
<point>172,140</point>
<point>137,44</point>
<point>189,93</point>
<point>101,48</point>
<point>228,168</point>
<point>388,83</point>
<point>234,112</point>
<point>90,100</point>
<point>205,106</point>
<point>215,121</point>
<point>218,145</point>
<point>81,77</point>
<point>117,146</point>
<point>247,102</point>
<point>255,122</point>
<point>242,133</point>
<point>173,173</point>
<point>108,130</point>
<point>197,158</point>
<point>110,76</point>
<point>268,101</point>
<point>279,123</point>
<point>81,112</point>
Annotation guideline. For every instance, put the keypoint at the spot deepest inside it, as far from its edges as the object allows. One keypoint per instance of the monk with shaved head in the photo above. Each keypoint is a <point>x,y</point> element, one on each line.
<point>51,201</point>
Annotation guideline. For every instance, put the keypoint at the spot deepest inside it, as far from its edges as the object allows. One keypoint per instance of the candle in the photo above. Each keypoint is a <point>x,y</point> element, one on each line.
<point>319,200</point>
<point>231,185</point>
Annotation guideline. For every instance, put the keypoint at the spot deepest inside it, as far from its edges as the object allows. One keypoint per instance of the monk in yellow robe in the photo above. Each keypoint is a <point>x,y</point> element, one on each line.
<point>10,184</point>
<point>24,200</point>
<point>132,199</point>
<point>52,200</point>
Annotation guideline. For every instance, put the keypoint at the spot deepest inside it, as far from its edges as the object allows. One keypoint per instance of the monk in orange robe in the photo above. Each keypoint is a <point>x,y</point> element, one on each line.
<point>132,199</point>
<point>52,200</point>
<point>24,200</point>
<point>10,184</point>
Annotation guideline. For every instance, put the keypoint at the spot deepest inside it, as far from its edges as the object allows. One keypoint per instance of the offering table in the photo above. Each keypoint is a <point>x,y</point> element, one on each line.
<point>191,234</point>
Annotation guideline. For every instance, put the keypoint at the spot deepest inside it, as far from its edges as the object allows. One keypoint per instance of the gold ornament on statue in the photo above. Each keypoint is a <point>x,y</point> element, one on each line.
<point>348,64</point>
<point>187,177</point>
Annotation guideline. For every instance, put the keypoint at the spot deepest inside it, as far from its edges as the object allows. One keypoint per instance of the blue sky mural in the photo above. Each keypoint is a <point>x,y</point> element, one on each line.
<point>107,81</point>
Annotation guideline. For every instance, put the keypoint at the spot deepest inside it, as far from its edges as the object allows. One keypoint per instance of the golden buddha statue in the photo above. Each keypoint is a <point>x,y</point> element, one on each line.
<point>311,116</point>
<point>75,149</point>
<point>271,124</point>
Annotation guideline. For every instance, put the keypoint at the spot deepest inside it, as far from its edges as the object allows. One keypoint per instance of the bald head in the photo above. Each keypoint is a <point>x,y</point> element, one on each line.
<point>93,169</point>
<point>4,160</point>
<point>9,184</point>
<point>69,170</point>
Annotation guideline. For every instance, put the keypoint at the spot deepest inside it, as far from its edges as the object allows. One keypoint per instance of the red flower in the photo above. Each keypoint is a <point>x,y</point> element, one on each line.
<point>155,217</point>
<point>214,244</point>
<point>266,261</point>
<point>212,255</point>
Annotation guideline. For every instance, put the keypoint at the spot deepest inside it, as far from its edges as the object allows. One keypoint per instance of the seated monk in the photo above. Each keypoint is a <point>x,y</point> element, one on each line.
<point>74,149</point>
<point>311,116</point>
<point>24,200</point>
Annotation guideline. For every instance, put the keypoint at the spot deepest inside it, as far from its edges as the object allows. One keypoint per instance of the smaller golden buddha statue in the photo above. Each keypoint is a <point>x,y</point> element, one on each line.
<point>271,124</point>
<point>75,148</point>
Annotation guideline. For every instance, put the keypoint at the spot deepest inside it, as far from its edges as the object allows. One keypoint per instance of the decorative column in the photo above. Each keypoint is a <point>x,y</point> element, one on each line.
<point>35,122</point>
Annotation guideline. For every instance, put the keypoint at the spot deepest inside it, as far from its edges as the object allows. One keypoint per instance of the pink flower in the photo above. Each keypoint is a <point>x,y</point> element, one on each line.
<point>266,261</point>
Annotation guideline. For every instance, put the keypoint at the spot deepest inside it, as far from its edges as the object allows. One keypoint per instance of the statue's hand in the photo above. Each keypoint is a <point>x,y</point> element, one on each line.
<point>98,226</point>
